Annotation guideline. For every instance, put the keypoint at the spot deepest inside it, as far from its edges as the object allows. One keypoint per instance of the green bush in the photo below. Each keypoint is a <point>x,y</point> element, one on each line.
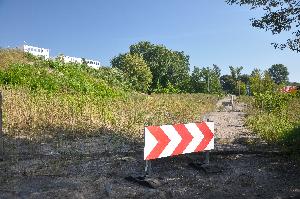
<point>272,101</point>
<point>54,76</point>
<point>276,117</point>
<point>169,89</point>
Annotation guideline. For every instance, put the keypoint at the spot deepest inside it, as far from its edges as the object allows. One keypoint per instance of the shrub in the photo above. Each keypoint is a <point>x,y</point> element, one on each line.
<point>54,76</point>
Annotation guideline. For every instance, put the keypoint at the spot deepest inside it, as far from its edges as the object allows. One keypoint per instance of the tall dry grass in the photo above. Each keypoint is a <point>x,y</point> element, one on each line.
<point>51,115</point>
<point>10,56</point>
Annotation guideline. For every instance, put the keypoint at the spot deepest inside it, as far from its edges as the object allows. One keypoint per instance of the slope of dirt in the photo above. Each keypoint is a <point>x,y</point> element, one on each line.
<point>241,166</point>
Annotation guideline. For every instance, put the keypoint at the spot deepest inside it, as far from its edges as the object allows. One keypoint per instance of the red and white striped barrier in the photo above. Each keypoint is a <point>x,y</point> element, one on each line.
<point>289,89</point>
<point>170,140</point>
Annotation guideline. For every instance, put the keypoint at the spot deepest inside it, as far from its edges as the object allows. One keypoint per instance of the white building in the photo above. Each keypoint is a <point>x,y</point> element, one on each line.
<point>44,52</point>
<point>91,63</point>
<point>68,59</point>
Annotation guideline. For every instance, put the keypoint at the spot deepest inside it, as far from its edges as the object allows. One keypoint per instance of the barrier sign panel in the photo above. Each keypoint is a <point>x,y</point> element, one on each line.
<point>170,140</point>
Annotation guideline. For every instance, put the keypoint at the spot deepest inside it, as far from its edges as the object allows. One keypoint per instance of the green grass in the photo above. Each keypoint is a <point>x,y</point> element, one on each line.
<point>20,69</point>
<point>277,122</point>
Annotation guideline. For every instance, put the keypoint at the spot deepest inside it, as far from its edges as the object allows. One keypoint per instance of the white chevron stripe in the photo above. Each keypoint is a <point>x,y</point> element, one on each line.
<point>211,143</point>
<point>174,137</point>
<point>150,143</point>
<point>198,136</point>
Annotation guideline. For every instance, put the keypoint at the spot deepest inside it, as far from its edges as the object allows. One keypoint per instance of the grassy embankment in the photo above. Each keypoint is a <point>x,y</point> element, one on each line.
<point>52,99</point>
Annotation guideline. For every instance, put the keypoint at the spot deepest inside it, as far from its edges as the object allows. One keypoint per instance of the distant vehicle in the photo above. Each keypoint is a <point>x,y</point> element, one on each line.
<point>290,89</point>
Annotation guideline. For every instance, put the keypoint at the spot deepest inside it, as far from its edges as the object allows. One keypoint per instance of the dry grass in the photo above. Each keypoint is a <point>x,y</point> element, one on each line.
<point>10,56</point>
<point>35,115</point>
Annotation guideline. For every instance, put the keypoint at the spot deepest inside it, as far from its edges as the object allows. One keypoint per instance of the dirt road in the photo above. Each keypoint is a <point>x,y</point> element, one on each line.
<point>241,166</point>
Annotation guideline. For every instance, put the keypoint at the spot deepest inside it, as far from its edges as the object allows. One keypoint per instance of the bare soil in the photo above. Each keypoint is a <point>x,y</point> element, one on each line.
<point>241,166</point>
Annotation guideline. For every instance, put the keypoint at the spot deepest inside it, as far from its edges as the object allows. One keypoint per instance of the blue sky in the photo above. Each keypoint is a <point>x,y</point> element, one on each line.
<point>210,32</point>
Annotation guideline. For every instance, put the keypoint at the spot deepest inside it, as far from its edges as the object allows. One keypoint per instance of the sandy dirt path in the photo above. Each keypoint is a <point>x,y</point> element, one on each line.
<point>241,166</point>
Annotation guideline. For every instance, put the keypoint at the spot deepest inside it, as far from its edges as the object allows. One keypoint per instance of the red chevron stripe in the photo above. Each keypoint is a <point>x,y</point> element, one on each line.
<point>186,138</point>
<point>162,139</point>
<point>208,135</point>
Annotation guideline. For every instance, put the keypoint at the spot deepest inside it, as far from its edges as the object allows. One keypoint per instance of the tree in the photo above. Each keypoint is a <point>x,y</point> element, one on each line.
<point>198,83</point>
<point>136,70</point>
<point>206,80</point>
<point>60,58</point>
<point>83,61</point>
<point>279,16</point>
<point>236,76</point>
<point>167,67</point>
<point>279,73</point>
<point>214,79</point>
<point>267,83</point>
<point>245,78</point>
<point>261,82</point>
<point>235,72</point>
<point>228,83</point>
<point>255,81</point>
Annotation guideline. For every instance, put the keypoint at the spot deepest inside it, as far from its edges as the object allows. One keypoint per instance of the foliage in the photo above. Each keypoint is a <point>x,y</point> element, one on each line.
<point>235,83</point>
<point>245,78</point>
<point>53,76</point>
<point>276,117</point>
<point>255,81</point>
<point>260,83</point>
<point>268,84</point>
<point>236,76</point>
<point>167,66</point>
<point>206,80</point>
<point>279,73</point>
<point>198,81</point>
<point>228,84</point>
<point>135,68</point>
<point>235,72</point>
<point>272,101</point>
<point>279,16</point>
<point>167,90</point>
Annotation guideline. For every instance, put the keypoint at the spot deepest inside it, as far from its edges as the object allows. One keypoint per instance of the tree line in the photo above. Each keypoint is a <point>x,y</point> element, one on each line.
<point>155,68</point>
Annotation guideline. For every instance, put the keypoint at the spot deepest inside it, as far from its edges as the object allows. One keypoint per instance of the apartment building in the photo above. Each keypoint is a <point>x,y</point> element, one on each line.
<point>43,52</point>
<point>92,63</point>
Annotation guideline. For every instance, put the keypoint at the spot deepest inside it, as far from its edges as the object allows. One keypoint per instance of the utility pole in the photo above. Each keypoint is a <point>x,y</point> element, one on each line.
<point>208,90</point>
